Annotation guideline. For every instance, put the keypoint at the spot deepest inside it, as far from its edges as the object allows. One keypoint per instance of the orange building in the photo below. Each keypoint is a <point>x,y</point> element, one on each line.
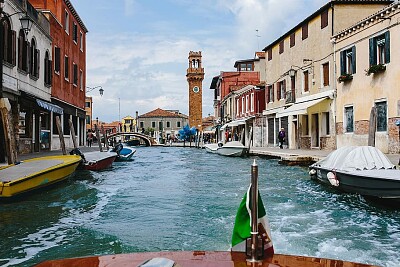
<point>68,34</point>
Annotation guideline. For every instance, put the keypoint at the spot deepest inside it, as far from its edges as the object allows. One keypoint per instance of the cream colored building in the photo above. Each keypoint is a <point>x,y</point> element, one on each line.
<point>372,41</point>
<point>301,79</point>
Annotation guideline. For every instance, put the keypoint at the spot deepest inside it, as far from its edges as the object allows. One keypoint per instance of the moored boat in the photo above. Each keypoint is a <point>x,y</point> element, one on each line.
<point>364,170</point>
<point>124,153</point>
<point>96,160</point>
<point>36,173</point>
<point>230,149</point>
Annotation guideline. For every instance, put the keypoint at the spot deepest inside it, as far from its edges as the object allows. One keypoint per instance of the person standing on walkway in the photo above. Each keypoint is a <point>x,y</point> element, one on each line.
<point>281,137</point>
<point>90,138</point>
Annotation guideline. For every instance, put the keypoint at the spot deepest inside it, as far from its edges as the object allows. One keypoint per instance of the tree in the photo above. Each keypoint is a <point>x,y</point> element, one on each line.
<point>186,133</point>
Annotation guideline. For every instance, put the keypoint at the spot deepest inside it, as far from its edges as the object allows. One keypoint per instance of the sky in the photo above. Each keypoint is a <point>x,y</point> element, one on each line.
<point>137,50</point>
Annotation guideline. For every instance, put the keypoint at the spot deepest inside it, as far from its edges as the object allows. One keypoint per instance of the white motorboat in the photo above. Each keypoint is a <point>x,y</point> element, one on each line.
<point>231,149</point>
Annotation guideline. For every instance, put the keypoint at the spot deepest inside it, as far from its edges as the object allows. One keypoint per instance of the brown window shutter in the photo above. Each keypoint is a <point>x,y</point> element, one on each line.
<point>293,39</point>
<point>268,94</point>
<point>50,72</point>
<point>269,54</point>
<point>278,89</point>
<point>13,47</point>
<point>37,69</point>
<point>304,30</point>
<point>324,18</point>
<point>306,81</point>
<point>281,46</point>
<point>326,74</point>
<point>273,93</point>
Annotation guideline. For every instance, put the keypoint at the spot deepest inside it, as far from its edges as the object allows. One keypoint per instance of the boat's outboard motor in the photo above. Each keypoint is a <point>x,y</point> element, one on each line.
<point>77,151</point>
<point>117,148</point>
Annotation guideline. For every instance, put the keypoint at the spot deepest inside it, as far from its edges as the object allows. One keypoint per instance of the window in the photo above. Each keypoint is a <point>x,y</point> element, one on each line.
<point>293,39</point>
<point>153,124</point>
<point>75,77</point>
<point>66,23</point>
<point>57,59</point>
<point>245,67</point>
<point>252,102</point>
<point>23,46</point>
<point>34,60</point>
<point>269,54</point>
<point>66,66</point>
<point>379,49</point>
<point>381,119</point>
<point>270,95</point>
<point>178,124</point>
<point>65,124</point>
<point>247,103</point>
<point>81,41</point>
<point>168,124</point>
<point>281,89</point>
<point>237,107</point>
<point>47,69</point>
<point>87,104</point>
<point>349,119</point>
<point>242,105</point>
<point>141,124</point>
<point>160,125</point>
<point>325,123</point>
<point>281,46</point>
<point>75,33</point>
<point>325,74</point>
<point>304,31</point>
<point>87,119</point>
<point>324,18</point>
<point>81,79</point>
<point>9,42</point>
<point>348,61</point>
<point>306,81</point>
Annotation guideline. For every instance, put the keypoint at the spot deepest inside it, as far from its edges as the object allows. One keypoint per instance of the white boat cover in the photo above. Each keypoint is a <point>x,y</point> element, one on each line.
<point>353,158</point>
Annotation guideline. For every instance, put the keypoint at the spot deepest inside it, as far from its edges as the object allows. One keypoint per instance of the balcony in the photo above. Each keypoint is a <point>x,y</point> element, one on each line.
<point>290,97</point>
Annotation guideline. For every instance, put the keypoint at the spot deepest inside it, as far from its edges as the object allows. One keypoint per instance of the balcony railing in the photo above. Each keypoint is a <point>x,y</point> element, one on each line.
<point>290,96</point>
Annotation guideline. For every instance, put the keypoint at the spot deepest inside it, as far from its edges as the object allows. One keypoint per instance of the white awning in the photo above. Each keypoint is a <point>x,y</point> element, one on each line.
<point>234,123</point>
<point>299,108</point>
<point>49,106</point>
<point>272,111</point>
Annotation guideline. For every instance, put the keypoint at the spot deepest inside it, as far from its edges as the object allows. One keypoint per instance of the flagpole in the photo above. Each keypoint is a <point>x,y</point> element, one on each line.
<point>254,212</point>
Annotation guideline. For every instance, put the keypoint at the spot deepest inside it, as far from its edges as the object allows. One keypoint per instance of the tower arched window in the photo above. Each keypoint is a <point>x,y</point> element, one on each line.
<point>23,48</point>
<point>8,42</point>
<point>34,59</point>
<point>47,69</point>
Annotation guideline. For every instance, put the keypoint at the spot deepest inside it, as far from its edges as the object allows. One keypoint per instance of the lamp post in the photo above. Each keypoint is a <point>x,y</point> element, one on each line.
<point>26,25</point>
<point>101,90</point>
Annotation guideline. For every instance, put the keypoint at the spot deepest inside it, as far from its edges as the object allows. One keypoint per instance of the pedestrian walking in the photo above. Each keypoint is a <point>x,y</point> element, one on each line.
<point>281,137</point>
<point>90,138</point>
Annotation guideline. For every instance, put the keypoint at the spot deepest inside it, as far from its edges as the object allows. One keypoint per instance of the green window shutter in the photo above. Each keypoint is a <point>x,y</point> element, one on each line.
<point>372,51</point>
<point>353,59</point>
<point>343,63</point>
<point>387,47</point>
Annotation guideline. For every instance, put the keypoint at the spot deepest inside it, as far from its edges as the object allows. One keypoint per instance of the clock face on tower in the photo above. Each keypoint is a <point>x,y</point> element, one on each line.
<point>196,89</point>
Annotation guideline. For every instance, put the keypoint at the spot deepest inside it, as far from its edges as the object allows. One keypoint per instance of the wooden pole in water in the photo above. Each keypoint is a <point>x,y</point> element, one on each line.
<point>98,137</point>
<point>71,126</point>
<point>105,137</point>
<point>11,150</point>
<point>372,127</point>
<point>61,135</point>
<point>254,213</point>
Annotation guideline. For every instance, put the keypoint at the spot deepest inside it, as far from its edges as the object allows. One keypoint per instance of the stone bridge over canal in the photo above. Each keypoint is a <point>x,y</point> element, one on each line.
<point>148,140</point>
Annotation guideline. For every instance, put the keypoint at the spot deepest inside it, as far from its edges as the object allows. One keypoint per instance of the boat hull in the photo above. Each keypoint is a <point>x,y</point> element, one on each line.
<point>200,258</point>
<point>57,168</point>
<point>365,183</point>
<point>211,148</point>
<point>96,161</point>
<point>231,151</point>
<point>125,154</point>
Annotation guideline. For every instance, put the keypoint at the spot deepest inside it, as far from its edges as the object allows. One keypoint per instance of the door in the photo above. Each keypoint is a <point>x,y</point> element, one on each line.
<point>314,131</point>
<point>271,132</point>
<point>285,126</point>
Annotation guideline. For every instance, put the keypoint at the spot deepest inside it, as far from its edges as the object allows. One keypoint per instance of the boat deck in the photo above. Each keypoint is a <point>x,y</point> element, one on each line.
<point>27,168</point>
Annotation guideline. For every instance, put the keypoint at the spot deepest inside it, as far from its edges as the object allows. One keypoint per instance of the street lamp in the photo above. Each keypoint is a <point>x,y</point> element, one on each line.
<point>89,89</point>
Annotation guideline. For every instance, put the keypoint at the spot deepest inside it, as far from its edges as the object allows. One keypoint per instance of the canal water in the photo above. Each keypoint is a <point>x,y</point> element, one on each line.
<point>186,199</point>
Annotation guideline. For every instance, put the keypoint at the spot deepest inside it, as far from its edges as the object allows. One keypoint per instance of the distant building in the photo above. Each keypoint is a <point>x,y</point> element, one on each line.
<point>162,124</point>
<point>128,124</point>
<point>89,112</point>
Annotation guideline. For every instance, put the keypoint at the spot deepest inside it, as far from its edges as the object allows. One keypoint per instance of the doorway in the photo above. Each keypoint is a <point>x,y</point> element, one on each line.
<point>314,131</point>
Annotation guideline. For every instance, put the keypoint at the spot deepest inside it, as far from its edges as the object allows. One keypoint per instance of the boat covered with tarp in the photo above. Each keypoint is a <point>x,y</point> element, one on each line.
<point>359,169</point>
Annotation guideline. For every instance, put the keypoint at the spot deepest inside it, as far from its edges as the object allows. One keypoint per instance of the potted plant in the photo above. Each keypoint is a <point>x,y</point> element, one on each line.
<point>375,69</point>
<point>345,77</point>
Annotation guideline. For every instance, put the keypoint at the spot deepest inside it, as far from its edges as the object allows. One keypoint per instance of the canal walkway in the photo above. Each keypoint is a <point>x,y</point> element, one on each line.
<point>287,156</point>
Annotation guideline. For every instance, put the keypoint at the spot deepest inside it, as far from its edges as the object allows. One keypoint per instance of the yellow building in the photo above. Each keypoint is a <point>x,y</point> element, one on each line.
<point>368,66</point>
<point>301,79</point>
<point>128,124</point>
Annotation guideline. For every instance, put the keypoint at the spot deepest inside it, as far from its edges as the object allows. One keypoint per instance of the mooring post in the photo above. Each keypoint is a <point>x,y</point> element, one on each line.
<point>254,213</point>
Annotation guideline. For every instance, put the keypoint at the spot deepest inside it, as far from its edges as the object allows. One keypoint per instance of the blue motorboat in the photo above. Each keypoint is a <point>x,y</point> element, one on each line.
<point>125,153</point>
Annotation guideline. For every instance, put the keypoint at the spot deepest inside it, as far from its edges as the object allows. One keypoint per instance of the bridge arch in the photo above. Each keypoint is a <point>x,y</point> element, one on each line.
<point>148,140</point>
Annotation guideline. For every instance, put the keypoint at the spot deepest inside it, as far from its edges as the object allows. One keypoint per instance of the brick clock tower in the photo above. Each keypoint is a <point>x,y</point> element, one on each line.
<point>195,77</point>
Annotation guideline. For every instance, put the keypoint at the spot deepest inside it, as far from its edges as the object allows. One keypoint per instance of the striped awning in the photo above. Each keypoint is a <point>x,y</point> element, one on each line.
<point>49,106</point>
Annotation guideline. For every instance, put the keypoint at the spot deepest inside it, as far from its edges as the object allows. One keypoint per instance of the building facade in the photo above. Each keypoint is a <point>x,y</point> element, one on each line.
<point>368,64</point>
<point>301,77</point>
<point>162,124</point>
<point>68,34</point>
<point>27,77</point>
<point>89,112</point>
